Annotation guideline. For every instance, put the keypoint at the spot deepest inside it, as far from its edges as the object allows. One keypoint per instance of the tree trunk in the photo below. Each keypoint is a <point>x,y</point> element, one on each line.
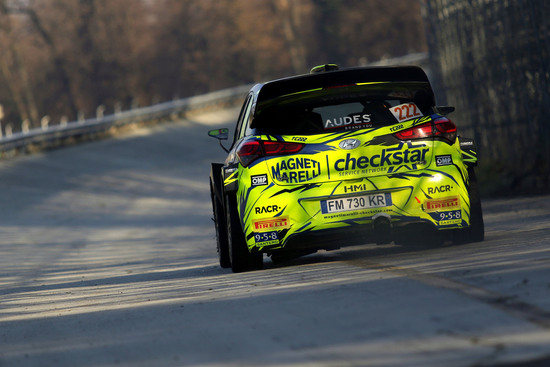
<point>289,13</point>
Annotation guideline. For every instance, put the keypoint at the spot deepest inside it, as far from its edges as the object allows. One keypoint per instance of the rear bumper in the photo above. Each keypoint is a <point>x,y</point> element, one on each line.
<point>300,219</point>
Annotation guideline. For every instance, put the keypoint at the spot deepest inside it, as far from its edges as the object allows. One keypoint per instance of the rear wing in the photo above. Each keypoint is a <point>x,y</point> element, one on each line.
<point>337,78</point>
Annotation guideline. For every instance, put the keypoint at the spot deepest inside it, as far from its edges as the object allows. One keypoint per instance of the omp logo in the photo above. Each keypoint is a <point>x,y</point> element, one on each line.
<point>355,188</point>
<point>388,157</point>
<point>267,209</point>
<point>296,170</point>
<point>438,205</point>
<point>273,223</point>
<point>258,180</point>
<point>443,160</point>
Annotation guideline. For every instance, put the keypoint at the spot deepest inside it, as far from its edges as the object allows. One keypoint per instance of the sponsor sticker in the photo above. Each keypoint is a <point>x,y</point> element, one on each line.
<point>405,153</point>
<point>438,205</point>
<point>353,121</point>
<point>296,170</point>
<point>406,111</point>
<point>271,223</point>
<point>258,180</point>
<point>267,238</point>
<point>439,189</point>
<point>443,160</point>
<point>355,188</point>
<point>267,209</point>
<point>447,217</point>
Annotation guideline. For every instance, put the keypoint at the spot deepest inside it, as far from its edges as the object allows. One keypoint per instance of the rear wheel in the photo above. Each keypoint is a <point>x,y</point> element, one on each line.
<point>241,259</point>
<point>221,230</point>
<point>476,231</point>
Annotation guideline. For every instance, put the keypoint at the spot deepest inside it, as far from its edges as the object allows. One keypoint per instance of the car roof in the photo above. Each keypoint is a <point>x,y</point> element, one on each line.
<point>302,83</point>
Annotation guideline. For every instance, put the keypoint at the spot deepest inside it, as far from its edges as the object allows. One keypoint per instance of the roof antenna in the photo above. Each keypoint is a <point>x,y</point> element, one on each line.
<point>323,68</point>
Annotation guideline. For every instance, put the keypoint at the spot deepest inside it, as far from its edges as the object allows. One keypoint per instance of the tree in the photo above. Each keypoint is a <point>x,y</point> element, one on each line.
<point>13,70</point>
<point>73,55</point>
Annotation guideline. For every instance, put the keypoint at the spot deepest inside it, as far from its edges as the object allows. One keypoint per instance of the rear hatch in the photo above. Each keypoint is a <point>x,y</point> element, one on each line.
<point>348,131</point>
<point>352,123</point>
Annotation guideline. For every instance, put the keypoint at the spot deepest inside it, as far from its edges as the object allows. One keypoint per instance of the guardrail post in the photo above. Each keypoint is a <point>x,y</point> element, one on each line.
<point>99,112</point>
<point>118,108</point>
<point>9,129</point>
<point>44,122</point>
<point>25,125</point>
<point>64,121</point>
<point>80,116</point>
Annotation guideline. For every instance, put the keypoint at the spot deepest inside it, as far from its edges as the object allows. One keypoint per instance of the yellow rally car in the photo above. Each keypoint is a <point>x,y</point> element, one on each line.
<point>342,157</point>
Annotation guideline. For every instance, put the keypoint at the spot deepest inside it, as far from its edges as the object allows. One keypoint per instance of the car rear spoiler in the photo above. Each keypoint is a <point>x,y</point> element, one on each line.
<point>336,78</point>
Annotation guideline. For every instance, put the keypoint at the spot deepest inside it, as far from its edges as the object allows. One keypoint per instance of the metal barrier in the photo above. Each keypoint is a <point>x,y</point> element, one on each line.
<point>53,135</point>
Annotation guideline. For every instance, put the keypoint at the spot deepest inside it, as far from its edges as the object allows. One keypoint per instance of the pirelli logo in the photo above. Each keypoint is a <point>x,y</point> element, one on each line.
<point>271,224</point>
<point>443,204</point>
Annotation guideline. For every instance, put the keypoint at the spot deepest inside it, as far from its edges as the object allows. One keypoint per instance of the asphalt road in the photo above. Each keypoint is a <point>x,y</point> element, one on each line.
<point>107,258</point>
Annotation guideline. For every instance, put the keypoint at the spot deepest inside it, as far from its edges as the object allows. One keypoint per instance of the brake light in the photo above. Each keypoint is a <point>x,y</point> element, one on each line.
<point>441,128</point>
<point>445,129</point>
<point>249,151</point>
<point>417,132</point>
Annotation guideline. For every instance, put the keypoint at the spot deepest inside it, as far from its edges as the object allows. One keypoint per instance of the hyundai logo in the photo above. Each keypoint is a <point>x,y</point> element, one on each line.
<point>349,144</point>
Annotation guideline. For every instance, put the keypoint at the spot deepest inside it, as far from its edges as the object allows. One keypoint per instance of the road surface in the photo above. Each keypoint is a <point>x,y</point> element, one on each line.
<point>107,258</point>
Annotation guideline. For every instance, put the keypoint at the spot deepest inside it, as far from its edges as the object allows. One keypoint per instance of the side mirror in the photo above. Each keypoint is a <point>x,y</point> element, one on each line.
<point>444,110</point>
<point>220,134</point>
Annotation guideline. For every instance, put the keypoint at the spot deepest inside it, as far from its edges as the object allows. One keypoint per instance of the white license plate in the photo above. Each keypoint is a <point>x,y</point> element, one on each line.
<point>355,203</point>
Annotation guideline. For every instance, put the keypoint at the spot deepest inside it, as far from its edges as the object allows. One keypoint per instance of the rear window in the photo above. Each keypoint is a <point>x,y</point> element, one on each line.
<point>340,109</point>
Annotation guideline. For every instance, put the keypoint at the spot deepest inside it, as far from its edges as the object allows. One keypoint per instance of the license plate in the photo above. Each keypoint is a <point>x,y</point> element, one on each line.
<point>355,203</point>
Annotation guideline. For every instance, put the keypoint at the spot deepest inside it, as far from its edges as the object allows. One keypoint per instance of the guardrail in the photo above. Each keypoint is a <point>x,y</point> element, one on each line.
<point>55,135</point>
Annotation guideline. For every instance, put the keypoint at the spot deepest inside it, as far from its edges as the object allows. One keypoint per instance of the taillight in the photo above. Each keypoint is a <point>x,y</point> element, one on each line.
<point>445,129</point>
<point>417,132</point>
<point>249,151</point>
<point>441,128</point>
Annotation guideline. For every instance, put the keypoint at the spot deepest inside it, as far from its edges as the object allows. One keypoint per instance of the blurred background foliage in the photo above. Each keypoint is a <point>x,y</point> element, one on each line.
<point>64,56</point>
<point>488,58</point>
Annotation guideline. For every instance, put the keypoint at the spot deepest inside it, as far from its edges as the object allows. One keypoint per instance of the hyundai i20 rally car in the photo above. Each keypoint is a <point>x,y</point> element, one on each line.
<point>342,157</point>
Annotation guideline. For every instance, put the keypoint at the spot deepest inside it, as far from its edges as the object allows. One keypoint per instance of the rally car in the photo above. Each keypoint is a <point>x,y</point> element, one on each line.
<point>341,157</point>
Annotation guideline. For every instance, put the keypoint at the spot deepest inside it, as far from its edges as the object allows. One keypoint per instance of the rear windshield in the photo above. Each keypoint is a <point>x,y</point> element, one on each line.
<point>344,108</point>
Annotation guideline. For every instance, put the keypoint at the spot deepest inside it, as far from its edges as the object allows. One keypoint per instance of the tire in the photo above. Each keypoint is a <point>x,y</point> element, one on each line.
<point>221,230</point>
<point>241,259</point>
<point>476,231</point>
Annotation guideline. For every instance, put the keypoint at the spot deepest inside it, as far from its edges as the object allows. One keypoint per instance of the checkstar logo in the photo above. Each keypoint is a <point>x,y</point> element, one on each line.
<point>387,157</point>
